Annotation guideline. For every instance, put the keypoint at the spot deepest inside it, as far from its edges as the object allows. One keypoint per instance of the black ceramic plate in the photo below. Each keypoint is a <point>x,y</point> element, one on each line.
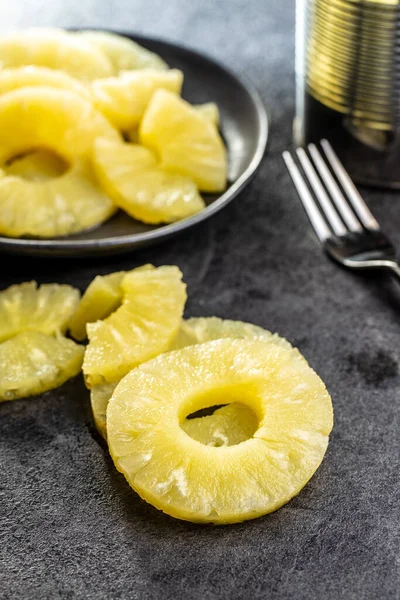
<point>244,125</point>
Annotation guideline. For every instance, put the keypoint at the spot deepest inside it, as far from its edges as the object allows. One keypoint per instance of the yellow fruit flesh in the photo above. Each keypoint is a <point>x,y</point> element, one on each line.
<point>131,177</point>
<point>32,76</point>
<point>123,53</point>
<point>99,398</point>
<point>185,141</point>
<point>210,111</point>
<point>27,307</point>
<point>32,363</point>
<point>58,206</point>
<point>68,124</point>
<point>231,423</point>
<point>123,100</point>
<point>101,298</point>
<point>205,329</point>
<point>191,481</point>
<point>49,118</point>
<point>39,165</point>
<point>55,49</point>
<point>141,328</point>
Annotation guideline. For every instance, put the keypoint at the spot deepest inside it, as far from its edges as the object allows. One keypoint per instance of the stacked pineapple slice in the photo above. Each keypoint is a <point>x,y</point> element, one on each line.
<point>34,354</point>
<point>150,372</point>
<point>67,98</point>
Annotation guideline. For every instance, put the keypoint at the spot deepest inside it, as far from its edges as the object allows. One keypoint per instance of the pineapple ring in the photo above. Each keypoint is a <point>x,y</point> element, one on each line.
<point>199,483</point>
<point>66,204</point>
<point>29,307</point>
<point>55,119</point>
<point>232,422</point>
<point>55,49</point>
<point>101,298</point>
<point>130,175</point>
<point>40,117</point>
<point>13,79</point>
<point>32,363</point>
<point>142,327</point>
<point>124,53</point>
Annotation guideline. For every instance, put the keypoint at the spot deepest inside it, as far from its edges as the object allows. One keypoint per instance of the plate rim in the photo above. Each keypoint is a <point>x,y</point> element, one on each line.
<point>141,239</point>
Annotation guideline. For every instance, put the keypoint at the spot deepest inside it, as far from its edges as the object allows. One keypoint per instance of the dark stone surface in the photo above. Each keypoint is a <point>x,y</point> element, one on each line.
<point>71,527</point>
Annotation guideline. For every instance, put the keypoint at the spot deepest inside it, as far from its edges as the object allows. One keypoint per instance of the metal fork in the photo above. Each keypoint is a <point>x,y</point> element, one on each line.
<point>346,228</point>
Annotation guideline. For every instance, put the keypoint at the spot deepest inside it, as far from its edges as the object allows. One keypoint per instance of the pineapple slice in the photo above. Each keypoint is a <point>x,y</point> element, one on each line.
<point>131,177</point>
<point>194,482</point>
<point>28,307</point>
<point>227,426</point>
<point>205,329</point>
<point>102,297</point>
<point>234,421</point>
<point>185,141</point>
<point>40,117</point>
<point>32,76</point>
<point>123,100</point>
<point>210,111</point>
<point>55,119</point>
<point>54,49</point>
<point>60,206</point>
<point>142,327</point>
<point>99,398</point>
<point>32,363</point>
<point>39,165</point>
<point>124,54</point>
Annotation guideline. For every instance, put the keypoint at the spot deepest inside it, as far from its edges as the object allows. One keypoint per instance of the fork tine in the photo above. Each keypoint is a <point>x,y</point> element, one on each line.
<point>320,227</point>
<point>340,201</point>
<point>359,205</point>
<point>323,198</point>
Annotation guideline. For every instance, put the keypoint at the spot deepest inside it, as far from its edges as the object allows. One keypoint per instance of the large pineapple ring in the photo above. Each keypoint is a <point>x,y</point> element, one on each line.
<point>64,122</point>
<point>228,484</point>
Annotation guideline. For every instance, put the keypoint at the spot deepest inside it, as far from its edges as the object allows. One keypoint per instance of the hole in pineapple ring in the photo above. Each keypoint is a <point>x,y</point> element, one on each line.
<point>223,417</point>
<point>39,164</point>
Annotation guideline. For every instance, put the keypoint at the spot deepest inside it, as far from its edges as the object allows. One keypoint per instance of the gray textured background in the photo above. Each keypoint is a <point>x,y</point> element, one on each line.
<point>71,527</point>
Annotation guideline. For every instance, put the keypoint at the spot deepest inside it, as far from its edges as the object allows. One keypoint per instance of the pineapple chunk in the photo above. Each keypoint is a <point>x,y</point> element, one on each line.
<point>124,99</point>
<point>209,111</point>
<point>32,363</point>
<point>235,420</point>
<point>142,327</point>
<point>194,482</point>
<point>28,307</point>
<point>185,141</point>
<point>39,165</point>
<point>131,177</point>
<point>101,298</point>
<point>54,49</point>
<point>124,54</point>
<point>58,206</point>
<point>32,76</point>
<point>55,119</point>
